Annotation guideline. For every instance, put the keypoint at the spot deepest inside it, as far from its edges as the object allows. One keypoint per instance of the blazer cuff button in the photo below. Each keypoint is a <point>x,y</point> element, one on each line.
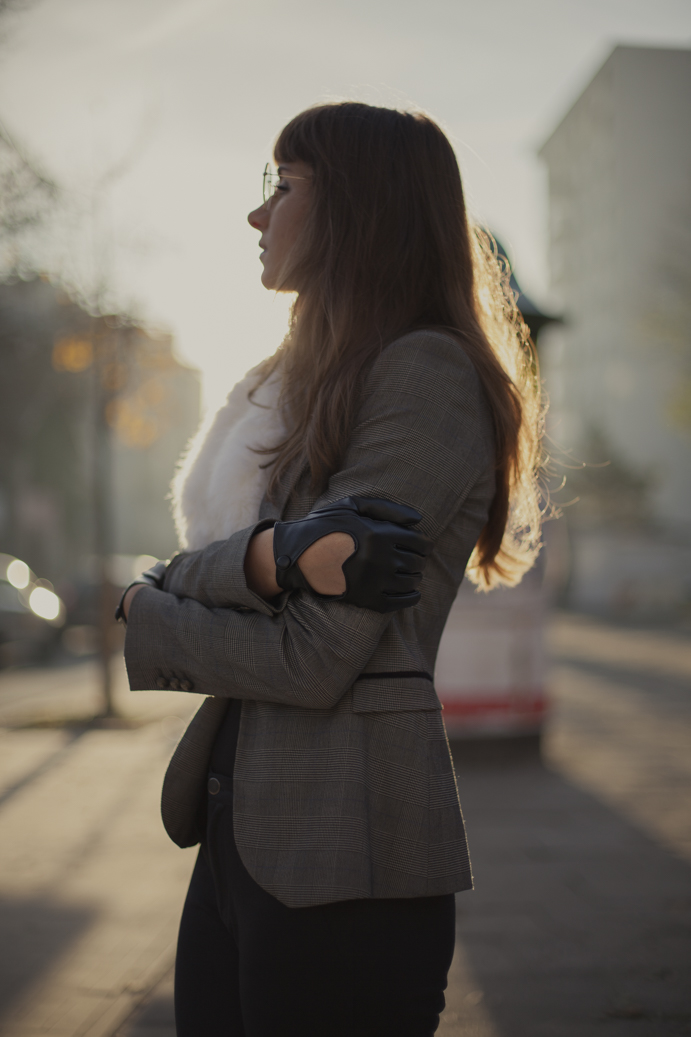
<point>175,684</point>
<point>214,786</point>
<point>186,685</point>
<point>162,683</point>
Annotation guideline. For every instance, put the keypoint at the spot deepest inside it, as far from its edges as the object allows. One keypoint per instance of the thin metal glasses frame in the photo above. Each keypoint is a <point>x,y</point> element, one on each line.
<point>270,181</point>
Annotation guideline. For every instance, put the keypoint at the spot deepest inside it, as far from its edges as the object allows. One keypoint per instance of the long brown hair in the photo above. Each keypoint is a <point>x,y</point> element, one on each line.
<point>386,249</point>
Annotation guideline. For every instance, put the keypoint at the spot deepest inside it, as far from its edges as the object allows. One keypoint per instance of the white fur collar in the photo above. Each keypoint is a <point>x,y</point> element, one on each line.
<point>219,484</point>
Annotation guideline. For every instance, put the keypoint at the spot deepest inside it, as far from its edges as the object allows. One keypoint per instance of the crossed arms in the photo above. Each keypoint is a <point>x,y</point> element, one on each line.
<point>423,437</point>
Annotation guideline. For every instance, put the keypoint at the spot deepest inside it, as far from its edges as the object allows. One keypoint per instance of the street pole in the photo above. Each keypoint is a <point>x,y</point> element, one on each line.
<point>102,511</point>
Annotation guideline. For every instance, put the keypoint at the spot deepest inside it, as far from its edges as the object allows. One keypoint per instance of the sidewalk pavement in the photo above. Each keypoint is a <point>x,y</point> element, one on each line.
<point>90,885</point>
<point>579,923</point>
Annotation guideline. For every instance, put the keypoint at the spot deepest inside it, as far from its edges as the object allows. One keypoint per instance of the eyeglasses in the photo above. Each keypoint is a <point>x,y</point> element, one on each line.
<point>271,181</point>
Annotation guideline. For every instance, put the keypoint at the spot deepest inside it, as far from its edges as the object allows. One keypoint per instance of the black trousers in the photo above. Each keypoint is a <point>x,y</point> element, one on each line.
<point>248,966</point>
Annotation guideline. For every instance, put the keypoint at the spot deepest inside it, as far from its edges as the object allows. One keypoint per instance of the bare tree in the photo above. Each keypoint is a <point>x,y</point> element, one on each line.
<point>31,199</point>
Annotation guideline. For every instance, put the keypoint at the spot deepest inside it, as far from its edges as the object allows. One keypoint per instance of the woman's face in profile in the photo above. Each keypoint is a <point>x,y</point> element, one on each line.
<point>280,221</point>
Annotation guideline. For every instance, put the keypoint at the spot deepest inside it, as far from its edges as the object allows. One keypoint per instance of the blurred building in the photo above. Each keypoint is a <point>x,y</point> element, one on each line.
<point>71,381</point>
<point>619,370</point>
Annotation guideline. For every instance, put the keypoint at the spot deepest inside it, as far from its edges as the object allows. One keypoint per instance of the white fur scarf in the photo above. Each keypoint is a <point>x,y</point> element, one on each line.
<point>219,484</point>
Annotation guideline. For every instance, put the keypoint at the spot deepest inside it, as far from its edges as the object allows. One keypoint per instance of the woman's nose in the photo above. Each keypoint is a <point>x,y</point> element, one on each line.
<point>259,218</point>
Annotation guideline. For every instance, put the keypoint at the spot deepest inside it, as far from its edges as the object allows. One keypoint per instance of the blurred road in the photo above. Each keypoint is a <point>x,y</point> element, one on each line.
<point>580,923</point>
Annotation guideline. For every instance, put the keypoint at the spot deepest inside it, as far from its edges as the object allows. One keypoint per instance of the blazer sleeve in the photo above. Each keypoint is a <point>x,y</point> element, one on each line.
<point>214,575</point>
<point>422,437</point>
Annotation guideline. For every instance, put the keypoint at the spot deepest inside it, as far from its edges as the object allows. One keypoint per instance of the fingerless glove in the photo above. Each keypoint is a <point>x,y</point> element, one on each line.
<point>385,570</point>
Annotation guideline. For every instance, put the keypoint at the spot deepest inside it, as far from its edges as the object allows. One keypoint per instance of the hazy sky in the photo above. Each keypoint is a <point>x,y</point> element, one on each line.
<point>194,92</point>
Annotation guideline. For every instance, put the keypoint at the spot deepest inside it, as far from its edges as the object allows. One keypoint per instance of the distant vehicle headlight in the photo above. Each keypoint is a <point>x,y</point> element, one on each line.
<point>18,575</point>
<point>44,603</point>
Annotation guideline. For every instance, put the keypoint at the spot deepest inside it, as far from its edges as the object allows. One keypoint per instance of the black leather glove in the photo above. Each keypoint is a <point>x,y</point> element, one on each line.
<point>384,572</point>
<point>152,577</point>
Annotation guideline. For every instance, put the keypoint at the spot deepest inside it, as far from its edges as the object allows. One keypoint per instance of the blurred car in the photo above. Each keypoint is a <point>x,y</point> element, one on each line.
<point>31,614</point>
<point>490,672</point>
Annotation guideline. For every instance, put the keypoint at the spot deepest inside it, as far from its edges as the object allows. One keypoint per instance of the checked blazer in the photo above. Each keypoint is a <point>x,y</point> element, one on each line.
<point>343,783</point>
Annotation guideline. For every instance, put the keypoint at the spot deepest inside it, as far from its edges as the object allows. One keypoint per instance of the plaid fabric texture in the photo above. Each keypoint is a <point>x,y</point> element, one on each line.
<point>343,783</point>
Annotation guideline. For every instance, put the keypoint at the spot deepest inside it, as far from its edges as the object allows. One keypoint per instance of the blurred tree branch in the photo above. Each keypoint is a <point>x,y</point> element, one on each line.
<point>14,6</point>
<point>26,192</point>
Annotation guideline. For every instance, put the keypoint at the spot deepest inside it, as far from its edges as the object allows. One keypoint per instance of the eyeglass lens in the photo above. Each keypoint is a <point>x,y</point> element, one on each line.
<point>268,183</point>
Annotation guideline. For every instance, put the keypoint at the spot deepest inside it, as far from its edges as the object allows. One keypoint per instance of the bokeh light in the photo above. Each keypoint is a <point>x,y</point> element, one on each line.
<point>18,574</point>
<point>72,354</point>
<point>44,603</point>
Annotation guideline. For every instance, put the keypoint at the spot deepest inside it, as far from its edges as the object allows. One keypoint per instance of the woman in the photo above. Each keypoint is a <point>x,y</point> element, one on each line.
<point>324,797</point>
